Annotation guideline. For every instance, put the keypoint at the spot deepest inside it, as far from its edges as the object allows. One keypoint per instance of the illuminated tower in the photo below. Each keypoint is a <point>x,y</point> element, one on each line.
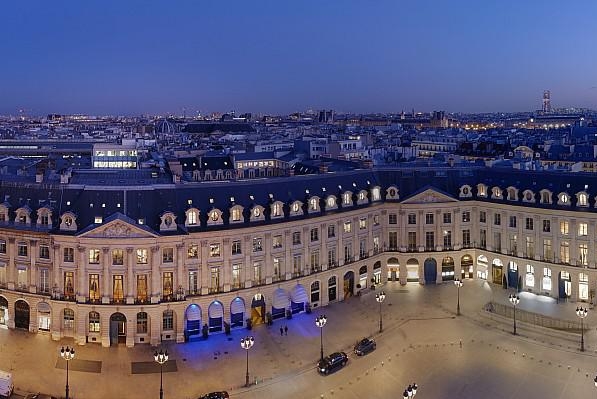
<point>546,102</point>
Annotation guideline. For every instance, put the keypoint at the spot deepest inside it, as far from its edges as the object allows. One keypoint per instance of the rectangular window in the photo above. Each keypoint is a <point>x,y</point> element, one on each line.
<point>214,279</point>
<point>167,285</point>
<point>193,282</point>
<point>466,238</point>
<point>429,218</point>
<point>22,280</point>
<point>348,253</point>
<point>168,255</point>
<point>257,272</point>
<point>363,249</point>
<point>141,323</point>
<point>447,218</point>
<point>22,249</point>
<point>69,254</point>
<point>168,320</point>
<point>277,263</point>
<point>117,257</point>
<point>296,238</point>
<point>44,281</point>
<point>512,221</point>
<point>412,241</point>
<point>483,238</point>
<point>564,227</point>
<point>497,240</point>
<point>236,272</point>
<point>347,227</point>
<point>528,224</point>
<point>447,239</point>
<point>375,245</point>
<point>296,263</point>
<point>482,217</point>
<point>583,251</point>
<point>193,251</point>
<point>118,288</point>
<point>497,219</point>
<point>3,246</point>
<point>546,226</point>
<point>276,242</point>
<point>214,250</point>
<point>331,231</point>
<point>315,261</point>
<point>530,247</point>
<point>142,288</point>
<point>412,218</point>
<point>583,229</point>
<point>362,223</point>
<point>466,216</point>
<point>257,244</point>
<point>376,220</point>
<point>69,285</point>
<point>393,240</point>
<point>429,241</point>
<point>565,252</point>
<point>314,235</point>
<point>547,252</point>
<point>513,244</point>
<point>44,252</point>
<point>94,256</point>
<point>141,256</point>
<point>332,258</point>
<point>94,287</point>
<point>94,322</point>
<point>392,218</point>
<point>236,247</point>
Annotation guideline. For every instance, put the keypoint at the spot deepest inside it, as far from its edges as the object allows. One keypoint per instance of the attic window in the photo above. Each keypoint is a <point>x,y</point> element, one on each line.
<point>141,221</point>
<point>103,205</point>
<point>99,220</point>
<point>91,205</point>
<point>117,205</point>
<point>190,202</point>
<point>68,203</point>
<point>231,199</point>
<point>211,200</point>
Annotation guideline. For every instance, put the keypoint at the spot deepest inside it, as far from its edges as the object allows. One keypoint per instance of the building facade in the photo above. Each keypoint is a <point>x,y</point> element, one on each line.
<point>138,264</point>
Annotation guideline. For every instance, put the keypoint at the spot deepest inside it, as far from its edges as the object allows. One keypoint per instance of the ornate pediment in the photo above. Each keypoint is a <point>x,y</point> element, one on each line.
<point>429,196</point>
<point>118,229</point>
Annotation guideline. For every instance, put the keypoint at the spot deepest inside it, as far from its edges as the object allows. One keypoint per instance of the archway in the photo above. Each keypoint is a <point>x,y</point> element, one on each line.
<point>193,316</point>
<point>280,302</point>
<point>512,274</point>
<point>117,328</point>
<point>377,273</point>
<point>237,312</point>
<point>298,298</point>
<point>332,291</point>
<point>215,311</point>
<point>496,271</point>
<point>348,284</point>
<point>363,277</point>
<point>22,314</point>
<point>412,270</point>
<point>564,285</point>
<point>482,267</point>
<point>466,267</point>
<point>258,309</point>
<point>3,311</point>
<point>44,316</point>
<point>448,268</point>
<point>430,270</point>
<point>393,269</point>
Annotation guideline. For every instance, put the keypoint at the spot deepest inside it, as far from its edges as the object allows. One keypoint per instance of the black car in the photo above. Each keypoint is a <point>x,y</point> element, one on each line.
<point>364,346</point>
<point>215,395</point>
<point>332,363</point>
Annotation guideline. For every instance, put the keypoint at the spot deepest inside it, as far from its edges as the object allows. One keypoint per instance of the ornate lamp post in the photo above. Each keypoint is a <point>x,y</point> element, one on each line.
<point>514,300</point>
<point>380,298</point>
<point>458,284</point>
<point>161,357</point>
<point>247,343</point>
<point>67,354</point>
<point>320,322</point>
<point>582,313</point>
<point>410,391</point>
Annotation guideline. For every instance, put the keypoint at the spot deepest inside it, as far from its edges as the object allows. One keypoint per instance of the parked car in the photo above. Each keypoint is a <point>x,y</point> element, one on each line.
<point>332,363</point>
<point>215,395</point>
<point>364,346</point>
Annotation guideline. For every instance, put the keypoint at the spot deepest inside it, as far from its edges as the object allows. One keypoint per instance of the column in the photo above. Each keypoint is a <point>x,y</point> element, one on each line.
<point>340,248</point>
<point>457,231</point>
<point>156,278</point>
<point>323,249</point>
<point>248,265</point>
<point>83,288</point>
<point>179,275</point>
<point>227,267</point>
<point>267,263</point>
<point>106,292</point>
<point>204,269</point>
<point>130,277</point>
<point>33,269</point>
<point>287,254</point>
<point>421,231</point>
<point>56,270</point>
<point>403,239</point>
<point>306,241</point>
<point>11,272</point>
<point>520,240</point>
<point>439,237</point>
<point>591,244</point>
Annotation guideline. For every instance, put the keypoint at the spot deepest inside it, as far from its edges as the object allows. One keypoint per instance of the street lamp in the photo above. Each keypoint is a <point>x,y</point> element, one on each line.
<point>514,300</point>
<point>582,313</point>
<point>247,343</point>
<point>410,391</point>
<point>161,357</point>
<point>380,298</point>
<point>67,354</point>
<point>320,322</point>
<point>458,284</point>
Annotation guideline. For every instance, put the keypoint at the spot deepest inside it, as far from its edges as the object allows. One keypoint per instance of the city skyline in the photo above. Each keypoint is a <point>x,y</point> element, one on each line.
<point>150,57</point>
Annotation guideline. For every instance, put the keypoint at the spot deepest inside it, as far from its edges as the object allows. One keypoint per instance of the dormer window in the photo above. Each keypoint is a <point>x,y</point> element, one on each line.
<point>296,208</point>
<point>236,214</point>
<point>528,196</point>
<point>465,191</point>
<point>277,210</point>
<point>192,217</point>
<point>362,196</point>
<point>257,213</point>
<point>23,216</point>
<point>482,190</point>
<point>214,217</point>
<point>168,221</point>
<point>582,199</point>
<point>512,194</point>
<point>545,197</point>
<point>68,222</point>
<point>331,202</point>
<point>564,199</point>
<point>375,194</point>
<point>98,220</point>
<point>313,204</point>
<point>392,193</point>
<point>496,193</point>
<point>347,199</point>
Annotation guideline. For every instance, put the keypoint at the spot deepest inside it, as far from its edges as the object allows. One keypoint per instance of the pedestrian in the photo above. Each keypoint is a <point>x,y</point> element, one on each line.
<point>281,331</point>
<point>286,330</point>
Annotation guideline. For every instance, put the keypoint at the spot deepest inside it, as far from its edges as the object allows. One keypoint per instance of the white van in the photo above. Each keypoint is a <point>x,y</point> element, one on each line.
<point>6,386</point>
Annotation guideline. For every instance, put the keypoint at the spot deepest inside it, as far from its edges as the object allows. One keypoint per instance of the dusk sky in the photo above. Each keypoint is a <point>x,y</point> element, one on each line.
<point>132,57</point>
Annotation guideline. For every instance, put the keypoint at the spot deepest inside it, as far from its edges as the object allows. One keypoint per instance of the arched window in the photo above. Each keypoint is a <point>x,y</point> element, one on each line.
<point>315,291</point>
<point>94,322</point>
<point>142,323</point>
<point>69,319</point>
